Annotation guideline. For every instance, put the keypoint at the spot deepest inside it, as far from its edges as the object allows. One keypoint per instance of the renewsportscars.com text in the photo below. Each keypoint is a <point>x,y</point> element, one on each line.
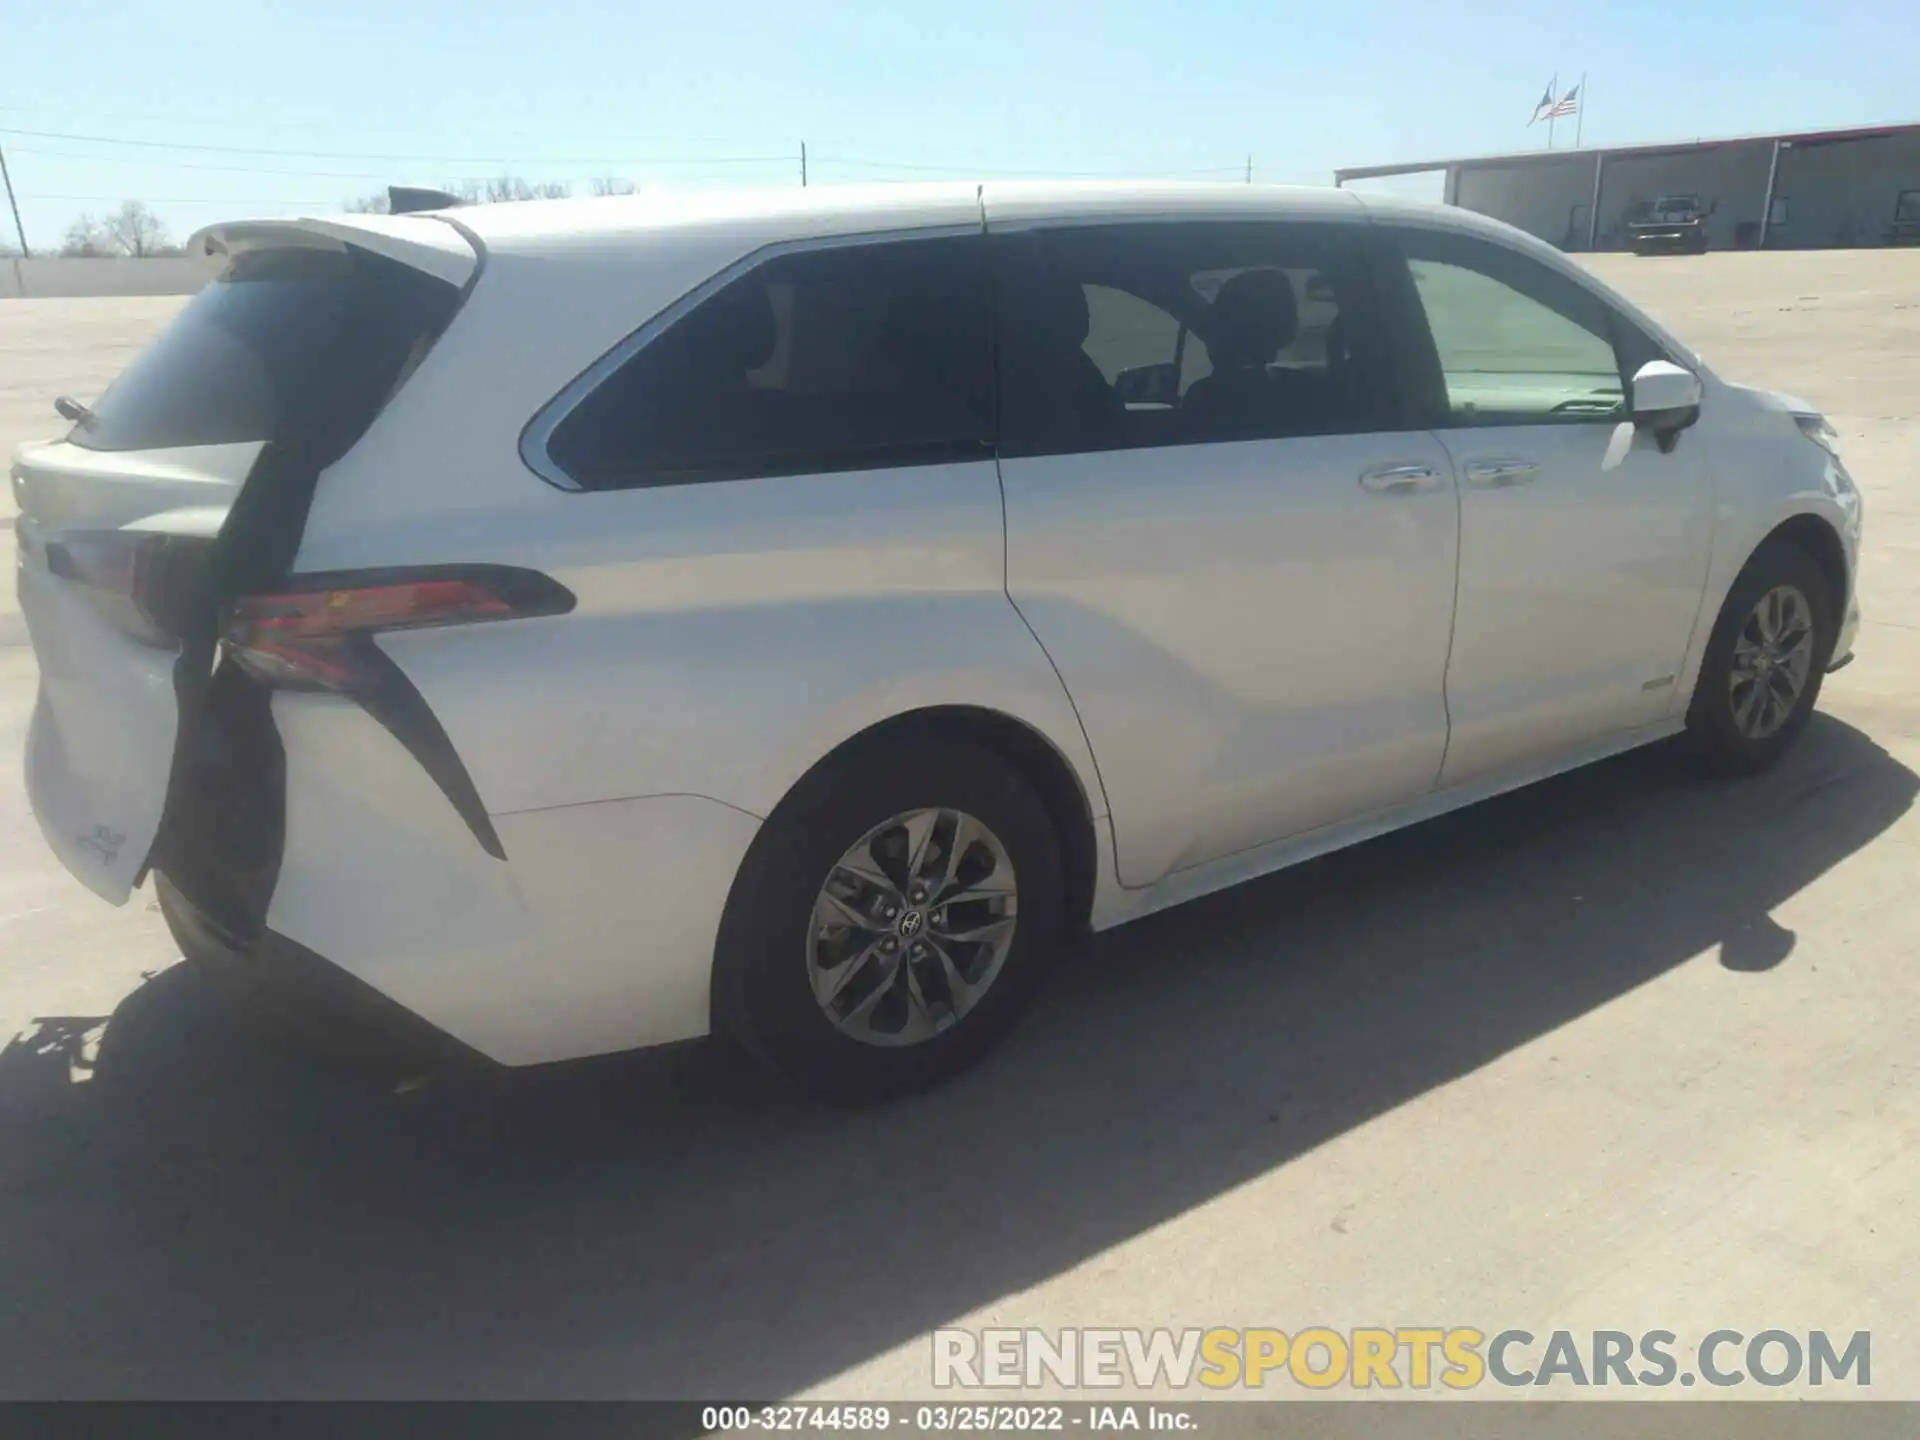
<point>1393,1358</point>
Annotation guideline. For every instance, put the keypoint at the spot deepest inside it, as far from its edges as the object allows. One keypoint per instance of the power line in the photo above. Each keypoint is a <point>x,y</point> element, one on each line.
<point>163,163</point>
<point>391,155</point>
<point>226,123</point>
<point>161,155</point>
<point>332,201</point>
<point>992,170</point>
<point>195,165</point>
<point>853,162</point>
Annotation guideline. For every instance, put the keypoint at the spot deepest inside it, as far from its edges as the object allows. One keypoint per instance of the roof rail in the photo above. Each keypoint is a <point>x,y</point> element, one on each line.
<point>407,199</point>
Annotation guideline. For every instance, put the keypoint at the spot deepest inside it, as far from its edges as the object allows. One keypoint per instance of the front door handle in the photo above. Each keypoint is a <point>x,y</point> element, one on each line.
<point>1400,479</point>
<point>1498,474</point>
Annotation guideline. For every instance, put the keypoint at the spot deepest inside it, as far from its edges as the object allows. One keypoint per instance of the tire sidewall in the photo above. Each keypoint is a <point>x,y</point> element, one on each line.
<point>1710,717</point>
<point>763,995</point>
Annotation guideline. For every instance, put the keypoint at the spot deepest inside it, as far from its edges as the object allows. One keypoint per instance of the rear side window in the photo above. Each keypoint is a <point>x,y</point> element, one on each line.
<point>862,356</point>
<point>280,335</point>
<point>1132,336</point>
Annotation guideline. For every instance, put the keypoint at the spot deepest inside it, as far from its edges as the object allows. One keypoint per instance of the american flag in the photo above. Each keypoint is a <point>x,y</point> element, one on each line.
<point>1567,104</point>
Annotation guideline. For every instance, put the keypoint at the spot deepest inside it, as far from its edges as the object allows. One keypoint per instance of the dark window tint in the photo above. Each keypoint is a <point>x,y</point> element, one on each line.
<point>1116,337</point>
<point>281,334</point>
<point>1515,341</point>
<point>856,357</point>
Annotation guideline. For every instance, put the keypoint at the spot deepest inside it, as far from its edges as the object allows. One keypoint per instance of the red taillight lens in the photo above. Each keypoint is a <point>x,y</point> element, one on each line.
<point>311,637</point>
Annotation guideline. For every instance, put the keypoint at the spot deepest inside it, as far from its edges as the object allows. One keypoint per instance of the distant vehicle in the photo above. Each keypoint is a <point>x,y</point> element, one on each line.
<point>1672,224</point>
<point>531,631</point>
<point>1905,229</point>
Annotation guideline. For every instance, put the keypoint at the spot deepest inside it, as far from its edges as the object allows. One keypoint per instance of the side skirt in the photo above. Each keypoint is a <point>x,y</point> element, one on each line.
<point>1117,906</point>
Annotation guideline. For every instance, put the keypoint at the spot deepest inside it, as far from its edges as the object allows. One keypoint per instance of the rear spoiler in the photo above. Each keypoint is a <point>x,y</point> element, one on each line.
<point>421,242</point>
<point>410,199</point>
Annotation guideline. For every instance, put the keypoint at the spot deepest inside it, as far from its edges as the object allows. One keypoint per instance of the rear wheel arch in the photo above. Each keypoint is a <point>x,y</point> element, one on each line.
<point>1037,760</point>
<point>1031,755</point>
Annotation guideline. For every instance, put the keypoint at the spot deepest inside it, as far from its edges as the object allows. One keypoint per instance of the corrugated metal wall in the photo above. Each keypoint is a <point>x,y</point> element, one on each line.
<point>1825,194</point>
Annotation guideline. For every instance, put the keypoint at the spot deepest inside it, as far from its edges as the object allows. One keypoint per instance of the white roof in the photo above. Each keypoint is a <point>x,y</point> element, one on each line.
<point>738,220</point>
<point>864,209</point>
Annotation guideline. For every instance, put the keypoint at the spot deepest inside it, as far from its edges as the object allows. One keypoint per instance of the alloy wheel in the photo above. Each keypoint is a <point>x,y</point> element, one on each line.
<point>1772,660</point>
<point>912,927</point>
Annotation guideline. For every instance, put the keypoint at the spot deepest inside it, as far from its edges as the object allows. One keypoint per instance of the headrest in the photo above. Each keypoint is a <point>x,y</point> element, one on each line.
<point>1253,318</point>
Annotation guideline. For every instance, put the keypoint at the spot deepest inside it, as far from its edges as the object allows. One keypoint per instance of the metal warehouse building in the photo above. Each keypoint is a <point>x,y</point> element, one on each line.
<point>1821,189</point>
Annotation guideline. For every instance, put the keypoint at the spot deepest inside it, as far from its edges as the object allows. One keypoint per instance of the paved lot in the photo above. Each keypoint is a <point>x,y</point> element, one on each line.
<point>1624,1051</point>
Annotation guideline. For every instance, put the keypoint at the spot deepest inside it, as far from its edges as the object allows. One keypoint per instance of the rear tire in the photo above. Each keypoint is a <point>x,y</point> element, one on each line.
<point>1765,661</point>
<point>846,1010</point>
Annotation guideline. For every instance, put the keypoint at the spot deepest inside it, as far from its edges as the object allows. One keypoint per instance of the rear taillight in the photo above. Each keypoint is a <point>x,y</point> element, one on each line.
<point>315,635</point>
<point>142,581</point>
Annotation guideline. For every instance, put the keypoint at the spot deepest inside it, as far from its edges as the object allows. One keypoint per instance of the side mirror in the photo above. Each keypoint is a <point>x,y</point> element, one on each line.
<point>1666,400</point>
<point>1149,386</point>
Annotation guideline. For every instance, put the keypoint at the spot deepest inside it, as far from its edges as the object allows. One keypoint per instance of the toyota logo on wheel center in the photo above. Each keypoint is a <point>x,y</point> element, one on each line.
<point>911,923</point>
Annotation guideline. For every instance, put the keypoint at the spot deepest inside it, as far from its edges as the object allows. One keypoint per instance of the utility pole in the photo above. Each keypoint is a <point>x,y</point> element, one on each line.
<point>1249,169</point>
<point>803,164</point>
<point>18,228</point>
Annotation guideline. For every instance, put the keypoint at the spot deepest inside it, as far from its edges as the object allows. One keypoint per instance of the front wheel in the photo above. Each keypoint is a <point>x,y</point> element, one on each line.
<point>892,919</point>
<point>1765,660</point>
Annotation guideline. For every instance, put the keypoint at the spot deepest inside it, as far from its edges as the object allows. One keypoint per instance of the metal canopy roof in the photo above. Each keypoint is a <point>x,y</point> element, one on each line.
<point>1669,147</point>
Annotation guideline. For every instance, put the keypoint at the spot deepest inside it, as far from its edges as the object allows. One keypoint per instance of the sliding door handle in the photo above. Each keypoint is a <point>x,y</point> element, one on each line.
<point>1400,479</point>
<point>1498,474</point>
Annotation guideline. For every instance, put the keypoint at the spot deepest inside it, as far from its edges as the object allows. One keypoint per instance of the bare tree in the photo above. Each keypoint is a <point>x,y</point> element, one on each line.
<point>473,192</point>
<point>136,231</point>
<point>509,187</point>
<point>608,185</point>
<point>85,237</point>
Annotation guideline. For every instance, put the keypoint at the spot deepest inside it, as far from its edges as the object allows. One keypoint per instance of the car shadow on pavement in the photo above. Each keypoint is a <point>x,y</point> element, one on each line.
<point>188,1211</point>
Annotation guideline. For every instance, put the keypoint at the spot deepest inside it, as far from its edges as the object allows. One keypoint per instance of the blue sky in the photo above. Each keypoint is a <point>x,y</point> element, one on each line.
<point>352,94</point>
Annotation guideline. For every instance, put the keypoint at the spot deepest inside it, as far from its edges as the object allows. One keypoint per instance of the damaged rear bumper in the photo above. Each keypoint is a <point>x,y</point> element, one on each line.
<point>317,1004</point>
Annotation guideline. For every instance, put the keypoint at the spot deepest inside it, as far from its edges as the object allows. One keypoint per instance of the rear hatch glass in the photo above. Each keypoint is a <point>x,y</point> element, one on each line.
<point>234,361</point>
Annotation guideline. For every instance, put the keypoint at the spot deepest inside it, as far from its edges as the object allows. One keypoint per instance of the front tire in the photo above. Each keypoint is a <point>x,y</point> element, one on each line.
<point>1765,661</point>
<point>892,919</point>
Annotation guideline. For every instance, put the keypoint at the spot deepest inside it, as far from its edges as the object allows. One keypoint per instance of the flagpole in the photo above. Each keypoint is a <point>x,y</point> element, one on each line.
<point>1580,114</point>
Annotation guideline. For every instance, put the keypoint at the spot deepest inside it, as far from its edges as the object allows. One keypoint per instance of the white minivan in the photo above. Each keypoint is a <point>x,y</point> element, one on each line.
<point>528,631</point>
